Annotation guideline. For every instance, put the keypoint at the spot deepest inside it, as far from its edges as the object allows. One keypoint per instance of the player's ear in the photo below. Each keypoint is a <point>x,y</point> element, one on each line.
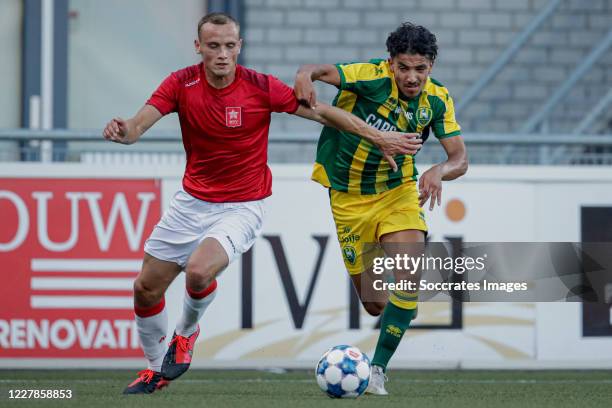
<point>196,44</point>
<point>239,45</point>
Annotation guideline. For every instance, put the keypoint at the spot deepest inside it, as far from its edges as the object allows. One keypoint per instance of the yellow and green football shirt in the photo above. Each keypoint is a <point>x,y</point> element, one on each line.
<point>349,163</point>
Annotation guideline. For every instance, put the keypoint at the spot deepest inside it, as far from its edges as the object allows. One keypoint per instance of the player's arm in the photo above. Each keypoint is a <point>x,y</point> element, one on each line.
<point>389,143</point>
<point>456,165</point>
<point>307,74</point>
<point>128,131</point>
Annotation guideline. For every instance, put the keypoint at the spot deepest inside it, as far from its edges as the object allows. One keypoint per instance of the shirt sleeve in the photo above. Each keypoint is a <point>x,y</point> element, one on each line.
<point>282,97</point>
<point>362,78</point>
<point>445,125</point>
<point>165,97</point>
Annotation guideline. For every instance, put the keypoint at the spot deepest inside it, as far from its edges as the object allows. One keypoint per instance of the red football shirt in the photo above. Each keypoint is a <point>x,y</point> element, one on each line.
<point>225,131</point>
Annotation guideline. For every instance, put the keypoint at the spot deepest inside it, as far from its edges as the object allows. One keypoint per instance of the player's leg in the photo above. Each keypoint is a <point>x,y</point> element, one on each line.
<point>356,232</point>
<point>373,301</point>
<point>232,231</point>
<point>402,232</point>
<point>206,262</point>
<point>152,320</point>
<point>397,314</point>
<point>173,239</point>
<point>401,307</point>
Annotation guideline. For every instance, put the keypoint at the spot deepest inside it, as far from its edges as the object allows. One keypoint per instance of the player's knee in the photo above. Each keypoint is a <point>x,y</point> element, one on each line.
<point>374,308</point>
<point>201,273</point>
<point>146,295</point>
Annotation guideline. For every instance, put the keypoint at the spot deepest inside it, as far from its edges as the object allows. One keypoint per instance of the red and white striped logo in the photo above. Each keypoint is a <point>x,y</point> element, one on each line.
<point>70,250</point>
<point>92,283</point>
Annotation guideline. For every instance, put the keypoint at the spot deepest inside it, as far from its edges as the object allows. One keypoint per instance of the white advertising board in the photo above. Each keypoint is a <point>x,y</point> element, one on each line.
<point>288,301</point>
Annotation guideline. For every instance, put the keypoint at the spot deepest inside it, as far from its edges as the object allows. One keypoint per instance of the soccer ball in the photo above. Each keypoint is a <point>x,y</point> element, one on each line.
<point>343,372</point>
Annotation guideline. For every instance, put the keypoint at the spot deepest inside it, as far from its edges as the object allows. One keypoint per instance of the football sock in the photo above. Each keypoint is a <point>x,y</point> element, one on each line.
<point>395,320</point>
<point>194,305</point>
<point>152,323</point>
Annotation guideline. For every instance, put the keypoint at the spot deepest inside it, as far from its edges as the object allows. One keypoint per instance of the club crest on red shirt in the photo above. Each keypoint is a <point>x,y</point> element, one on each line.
<point>233,116</point>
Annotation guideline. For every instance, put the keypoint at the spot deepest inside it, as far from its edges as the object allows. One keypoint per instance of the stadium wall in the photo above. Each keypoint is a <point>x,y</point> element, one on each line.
<point>280,35</point>
<point>71,243</point>
<point>10,76</point>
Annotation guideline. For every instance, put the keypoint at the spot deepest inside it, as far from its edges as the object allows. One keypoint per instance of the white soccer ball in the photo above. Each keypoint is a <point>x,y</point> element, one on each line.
<point>343,372</point>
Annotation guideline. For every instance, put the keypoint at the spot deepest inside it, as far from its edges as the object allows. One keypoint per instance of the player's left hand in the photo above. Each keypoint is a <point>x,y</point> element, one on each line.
<point>394,143</point>
<point>430,187</point>
<point>304,90</point>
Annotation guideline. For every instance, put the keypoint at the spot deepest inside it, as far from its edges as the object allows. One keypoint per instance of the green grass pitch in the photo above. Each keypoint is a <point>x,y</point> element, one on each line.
<point>295,389</point>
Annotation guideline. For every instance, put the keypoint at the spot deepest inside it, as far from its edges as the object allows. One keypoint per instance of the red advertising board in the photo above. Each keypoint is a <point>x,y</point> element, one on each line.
<point>69,252</point>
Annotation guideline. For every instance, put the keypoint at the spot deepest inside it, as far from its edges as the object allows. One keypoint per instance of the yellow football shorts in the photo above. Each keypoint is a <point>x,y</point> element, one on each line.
<point>363,219</point>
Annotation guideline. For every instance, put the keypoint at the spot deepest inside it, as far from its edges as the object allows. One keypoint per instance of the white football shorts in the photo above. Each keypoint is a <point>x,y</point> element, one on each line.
<point>189,220</point>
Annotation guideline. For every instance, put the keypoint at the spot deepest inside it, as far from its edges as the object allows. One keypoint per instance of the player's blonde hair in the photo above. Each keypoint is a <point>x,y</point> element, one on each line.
<point>218,19</point>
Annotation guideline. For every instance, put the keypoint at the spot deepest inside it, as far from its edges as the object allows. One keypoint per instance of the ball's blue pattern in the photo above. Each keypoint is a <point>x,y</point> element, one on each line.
<point>322,366</point>
<point>362,386</point>
<point>346,367</point>
<point>335,390</point>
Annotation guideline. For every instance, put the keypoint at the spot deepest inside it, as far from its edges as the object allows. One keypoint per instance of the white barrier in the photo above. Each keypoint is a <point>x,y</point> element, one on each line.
<point>261,316</point>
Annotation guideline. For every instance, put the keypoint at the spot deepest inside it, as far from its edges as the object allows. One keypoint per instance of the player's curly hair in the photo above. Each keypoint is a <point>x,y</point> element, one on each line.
<point>412,39</point>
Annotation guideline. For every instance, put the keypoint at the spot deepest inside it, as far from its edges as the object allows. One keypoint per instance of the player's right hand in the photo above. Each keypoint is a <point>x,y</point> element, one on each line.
<point>304,90</point>
<point>116,131</point>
